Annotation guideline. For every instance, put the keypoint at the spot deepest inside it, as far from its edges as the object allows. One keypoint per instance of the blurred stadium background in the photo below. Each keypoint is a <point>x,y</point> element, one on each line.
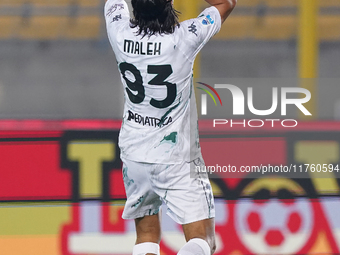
<point>61,188</point>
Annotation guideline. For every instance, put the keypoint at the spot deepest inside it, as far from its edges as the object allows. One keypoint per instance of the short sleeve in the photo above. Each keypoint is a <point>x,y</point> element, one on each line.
<point>115,12</point>
<point>199,31</point>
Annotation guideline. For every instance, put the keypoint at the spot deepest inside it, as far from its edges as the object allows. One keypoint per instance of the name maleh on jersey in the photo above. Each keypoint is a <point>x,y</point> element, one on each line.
<point>148,121</point>
<point>149,48</point>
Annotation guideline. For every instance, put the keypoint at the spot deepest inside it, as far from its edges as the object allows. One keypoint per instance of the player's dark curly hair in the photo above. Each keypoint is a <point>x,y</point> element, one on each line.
<point>154,17</point>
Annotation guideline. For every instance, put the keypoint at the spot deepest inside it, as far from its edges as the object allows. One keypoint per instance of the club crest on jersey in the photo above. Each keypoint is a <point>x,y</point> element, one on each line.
<point>208,20</point>
<point>147,120</point>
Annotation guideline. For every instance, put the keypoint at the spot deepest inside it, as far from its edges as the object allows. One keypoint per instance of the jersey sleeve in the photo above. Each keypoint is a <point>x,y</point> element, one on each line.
<point>199,31</point>
<point>116,11</point>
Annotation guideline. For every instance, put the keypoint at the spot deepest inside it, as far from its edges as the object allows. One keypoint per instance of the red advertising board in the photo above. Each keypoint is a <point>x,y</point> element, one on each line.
<point>62,191</point>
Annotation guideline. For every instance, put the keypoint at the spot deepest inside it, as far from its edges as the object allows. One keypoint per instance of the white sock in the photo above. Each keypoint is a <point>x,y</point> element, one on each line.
<point>145,248</point>
<point>195,246</point>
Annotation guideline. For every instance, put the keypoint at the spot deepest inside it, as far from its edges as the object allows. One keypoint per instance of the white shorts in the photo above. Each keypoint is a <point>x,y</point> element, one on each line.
<point>188,197</point>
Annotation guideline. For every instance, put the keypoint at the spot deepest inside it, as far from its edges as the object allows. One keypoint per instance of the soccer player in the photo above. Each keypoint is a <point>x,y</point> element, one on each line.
<point>159,135</point>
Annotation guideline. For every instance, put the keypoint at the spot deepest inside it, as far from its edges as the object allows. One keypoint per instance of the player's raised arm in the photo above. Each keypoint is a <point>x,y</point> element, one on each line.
<point>225,7</point>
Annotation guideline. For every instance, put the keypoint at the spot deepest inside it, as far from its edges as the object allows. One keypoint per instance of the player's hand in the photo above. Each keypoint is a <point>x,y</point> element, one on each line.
<point>225,7</point>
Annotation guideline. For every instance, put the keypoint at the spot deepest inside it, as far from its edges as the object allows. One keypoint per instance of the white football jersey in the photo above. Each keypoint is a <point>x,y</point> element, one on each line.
<point>160,115</point>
